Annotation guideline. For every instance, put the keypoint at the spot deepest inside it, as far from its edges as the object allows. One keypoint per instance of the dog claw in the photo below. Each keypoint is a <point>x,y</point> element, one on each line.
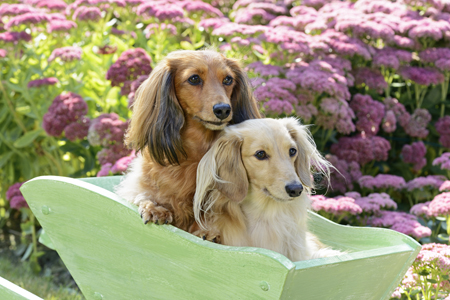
<point>204,237</point>
<point>214,240</point>
<point>166,222</point>
<point>146,221</point>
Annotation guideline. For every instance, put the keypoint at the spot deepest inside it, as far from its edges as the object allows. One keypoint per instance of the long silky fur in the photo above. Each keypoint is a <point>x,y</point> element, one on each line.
<point>259,220</point>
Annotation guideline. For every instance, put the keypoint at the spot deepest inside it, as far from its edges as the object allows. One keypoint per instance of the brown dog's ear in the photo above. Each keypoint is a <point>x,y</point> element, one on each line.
<point>242,100</point>
<point>222,169</point>
<point>308,156</point>
<point>157,118</point>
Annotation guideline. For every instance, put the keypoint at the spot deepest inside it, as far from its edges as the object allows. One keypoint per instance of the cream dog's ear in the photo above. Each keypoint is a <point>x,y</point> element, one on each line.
<point>308,155</point>
<point>222,168</point>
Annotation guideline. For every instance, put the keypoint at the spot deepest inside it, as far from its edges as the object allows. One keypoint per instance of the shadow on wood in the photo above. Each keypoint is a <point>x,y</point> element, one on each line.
<point>112,255</point>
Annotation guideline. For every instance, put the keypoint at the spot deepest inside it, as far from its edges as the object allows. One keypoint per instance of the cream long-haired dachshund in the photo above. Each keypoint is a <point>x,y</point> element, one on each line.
<point>179,111</point>
<point>253,188</point>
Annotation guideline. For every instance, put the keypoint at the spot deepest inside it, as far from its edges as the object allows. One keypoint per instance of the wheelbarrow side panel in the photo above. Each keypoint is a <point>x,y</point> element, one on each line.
<point>10,291</point>
<point>112,255</point>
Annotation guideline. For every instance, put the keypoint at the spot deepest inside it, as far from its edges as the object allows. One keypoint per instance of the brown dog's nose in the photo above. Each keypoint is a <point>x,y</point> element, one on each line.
<point>222,110</point>
<point>294,190</point>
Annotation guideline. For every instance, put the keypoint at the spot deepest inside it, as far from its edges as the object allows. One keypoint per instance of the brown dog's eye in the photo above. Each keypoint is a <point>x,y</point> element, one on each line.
<point>261,155</point>
<point>194,80</point>
<point>292,152</point>
<point>228,80</point>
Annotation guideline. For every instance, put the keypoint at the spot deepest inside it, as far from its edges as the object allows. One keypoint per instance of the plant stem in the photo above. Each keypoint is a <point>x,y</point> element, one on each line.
<point>11,107</point>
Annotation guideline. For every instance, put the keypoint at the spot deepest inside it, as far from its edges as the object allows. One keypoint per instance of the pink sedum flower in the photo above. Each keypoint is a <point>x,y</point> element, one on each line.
<point>440,205</point>
<point>361,149</point>
<point>66,54</point>
<point>382,181</point>
<point>401,222</point>
<point>369,113</point>
<point>421,209</point>
<point>85,13</point>
<point>374,202</point>
<point>122,164</point>
<point>106,129</point>
<point>335,206</point>
<point>445,186</point>
<point>443,128</point>
<point>42,82</point>
<point>64,110</point>
<point>431,181</point>
<point>415,154</point>
<point>15,197</point>
<point>77,130</point>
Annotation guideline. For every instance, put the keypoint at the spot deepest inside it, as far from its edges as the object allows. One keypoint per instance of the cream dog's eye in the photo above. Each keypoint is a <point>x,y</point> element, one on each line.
<point>194,80</point>
<point>292,152</point>
<point>228,80</point>
<point>261,155</point>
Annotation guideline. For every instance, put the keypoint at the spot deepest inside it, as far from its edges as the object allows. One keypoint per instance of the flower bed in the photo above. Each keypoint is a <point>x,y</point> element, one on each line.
<point>372,76</point>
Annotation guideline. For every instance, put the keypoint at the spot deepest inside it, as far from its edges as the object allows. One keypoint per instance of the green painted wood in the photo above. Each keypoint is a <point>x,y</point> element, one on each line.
<point>10,291</point>
<point>111,253</point>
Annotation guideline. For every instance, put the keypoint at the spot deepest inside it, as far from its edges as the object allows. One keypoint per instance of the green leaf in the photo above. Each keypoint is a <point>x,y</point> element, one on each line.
<point>186,45</point>
<point>27,252</point>
<point>424,273</point>
<point>27,138</point>
<point>445,277</point>
<point>3,113</point>
<point>431,280</point>
<point>4,158</point>
<point>443,237</point>
<point>414,292</point>
<point>14,87</point>
<point>23,109</point>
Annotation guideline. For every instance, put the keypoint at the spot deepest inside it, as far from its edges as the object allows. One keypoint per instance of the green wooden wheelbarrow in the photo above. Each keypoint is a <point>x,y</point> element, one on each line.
<point>111,254</point>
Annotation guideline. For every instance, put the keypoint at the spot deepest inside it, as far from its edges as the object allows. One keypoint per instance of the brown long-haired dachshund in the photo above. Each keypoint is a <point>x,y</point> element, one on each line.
<point>179,110</point>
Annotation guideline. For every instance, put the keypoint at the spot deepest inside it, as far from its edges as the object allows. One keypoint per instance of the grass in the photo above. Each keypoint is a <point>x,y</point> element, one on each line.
<point>42,285</point>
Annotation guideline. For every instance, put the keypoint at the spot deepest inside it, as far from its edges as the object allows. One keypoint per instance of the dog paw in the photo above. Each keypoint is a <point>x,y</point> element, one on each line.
<point>211,236</point>
<point>150,212</point>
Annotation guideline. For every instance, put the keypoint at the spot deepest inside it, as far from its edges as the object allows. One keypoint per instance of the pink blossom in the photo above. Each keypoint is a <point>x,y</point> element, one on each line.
<point>347,172</point>
<point>112,153</point>
<point>121,165</point>
<point>344,45</point>
<point>15,9</point>
<point>160,10</point>
<point>251,15</point>
<point>106,129</point>
<point>372,78</point>
<point>52,4</point>
<point>433,181</point>
<point>60,25</point>
<point>66,54</point>
<point>129,66</point>
<point>431,55</point>
<point>201,8</point>
<point>421,209</point>
<point>440,205</point>
<point>84,13</point>
<point>361,149</point>
<point>445,186</point>
<point>443,128</point>
<point>415,154</point>
<point>389,122</point>
<point>42,82</point>
<point>15,197</point>
<point>369,113</point>
<point>382,181</point>
<point>306,111</point>
<point>265,70</point>
<point>64,110</point>
<point>418,122</point>
<point>336,113</point>
<point>422,76</point>
<point>401,222</point>
<point>374,202</point>
<point>399,111</point>
<point>2,53</point>
<point>213,23</point>
<point>427,28</point>
<point>335,206</point>
<point>27,18</point>
<point>77,130</point>
<point>443,161</point>
<point>105,170</point>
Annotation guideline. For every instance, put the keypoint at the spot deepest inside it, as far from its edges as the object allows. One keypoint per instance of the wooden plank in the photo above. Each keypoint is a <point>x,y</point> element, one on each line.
<point>112,255</point>
<point>10,291</point>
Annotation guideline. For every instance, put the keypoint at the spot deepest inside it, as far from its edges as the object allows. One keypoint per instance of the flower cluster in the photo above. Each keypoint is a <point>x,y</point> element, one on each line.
<point>362,149</point>
<point>443,128</point>
<point>42,82</point>
<point>15,197</point>
<point>443,161</point>
<point>65,109</point>
<point>415,154</point>
<point>401,222</point>
<point>382,181</point>
<point>369,113</point>
<point>335,206</point>
<point>129,66</point>
<point>119,167</point>
<point>431,181</point>
<point>66,54</point>
<point>345,174</point>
